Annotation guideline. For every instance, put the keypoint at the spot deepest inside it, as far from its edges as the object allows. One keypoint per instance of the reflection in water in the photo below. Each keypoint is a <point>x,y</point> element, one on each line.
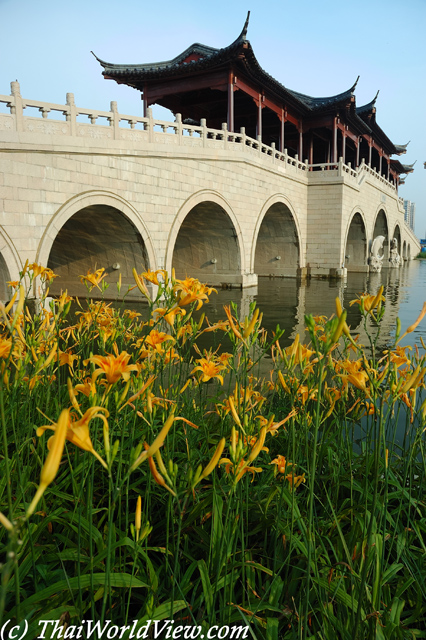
<point>285,301</point>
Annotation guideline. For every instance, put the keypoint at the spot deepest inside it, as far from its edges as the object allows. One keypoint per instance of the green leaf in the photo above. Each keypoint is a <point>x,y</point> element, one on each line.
<point>207,587</point>
<point>271,628</point>
<point>391,572</point>
<point>117,580</point>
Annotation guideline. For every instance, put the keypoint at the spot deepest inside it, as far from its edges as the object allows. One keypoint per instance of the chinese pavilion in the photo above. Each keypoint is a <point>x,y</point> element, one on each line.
<point>228,85</point>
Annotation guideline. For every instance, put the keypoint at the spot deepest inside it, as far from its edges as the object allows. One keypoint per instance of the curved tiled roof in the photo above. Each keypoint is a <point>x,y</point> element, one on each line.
<point>208,58</point>
<point>402,168</point>
<point>198,59</point>
<point>318,103</point>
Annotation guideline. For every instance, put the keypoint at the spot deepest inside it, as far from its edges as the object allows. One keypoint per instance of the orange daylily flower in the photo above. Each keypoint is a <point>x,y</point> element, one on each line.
<point>78,432</point>
<point>156,338</point>
<point>191,290</point>
<point>65,357</point>
<point>5,347</point>
<point>239,470</point>
<point>87,388</point>
<point>295,481</point>
<point>113,367</point>
<point>398,356</point>
<point>93,279</point>
<point>210,368</point>
<point>370,302</point>
<point>151,276</point>
<point>281,463</point>
<point>169,315</point>
<point>44,272</point>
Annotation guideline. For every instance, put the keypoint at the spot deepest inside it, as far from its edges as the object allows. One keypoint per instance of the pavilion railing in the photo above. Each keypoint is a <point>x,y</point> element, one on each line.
<point>34,116</point>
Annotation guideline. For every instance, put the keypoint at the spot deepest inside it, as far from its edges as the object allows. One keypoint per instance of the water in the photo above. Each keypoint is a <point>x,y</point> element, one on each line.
<point>285,301</point>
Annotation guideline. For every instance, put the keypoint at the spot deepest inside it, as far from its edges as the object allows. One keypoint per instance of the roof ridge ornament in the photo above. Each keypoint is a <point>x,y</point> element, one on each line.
<point>354,85</point>
<point>243,34</point>
<point>101,62</point>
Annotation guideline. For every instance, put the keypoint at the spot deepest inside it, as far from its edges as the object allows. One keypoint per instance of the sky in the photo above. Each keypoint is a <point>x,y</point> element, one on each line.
<point>316,47</point>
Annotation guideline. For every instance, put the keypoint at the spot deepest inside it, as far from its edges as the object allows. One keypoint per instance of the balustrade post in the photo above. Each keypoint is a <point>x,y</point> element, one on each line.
<point>71,113</point>
<point>150,125</point>
<point>17,107</point>
<point>259,144</point>
<point>179,128</point>
<point>225,134</point>
<point>273,151</point>
<point>203,124</point>
<point>340,168</point>
<point>114,120</point>
<point>243,137</point>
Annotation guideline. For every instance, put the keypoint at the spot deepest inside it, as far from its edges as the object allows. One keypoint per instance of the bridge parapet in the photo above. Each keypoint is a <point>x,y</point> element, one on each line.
<point>111,125</point>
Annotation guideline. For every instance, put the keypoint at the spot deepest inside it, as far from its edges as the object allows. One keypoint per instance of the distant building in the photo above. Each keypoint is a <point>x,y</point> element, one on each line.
<point>409,213</point>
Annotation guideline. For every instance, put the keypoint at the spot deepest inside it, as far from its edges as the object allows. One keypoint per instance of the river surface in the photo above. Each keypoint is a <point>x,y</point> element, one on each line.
<point>285,301</point>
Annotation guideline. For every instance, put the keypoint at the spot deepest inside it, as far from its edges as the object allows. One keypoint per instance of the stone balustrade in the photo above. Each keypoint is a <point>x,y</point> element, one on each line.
<point>70,120</point>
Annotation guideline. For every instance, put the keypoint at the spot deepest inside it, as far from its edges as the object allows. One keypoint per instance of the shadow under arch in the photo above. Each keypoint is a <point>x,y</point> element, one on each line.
<point>276,246</point>
<point>205,241</point>
<point>10,264</point>
<point>355,257</point>
<point>95,229</point>
<point>404,250</point>
<point>381,228</point>
<point>397,236</point>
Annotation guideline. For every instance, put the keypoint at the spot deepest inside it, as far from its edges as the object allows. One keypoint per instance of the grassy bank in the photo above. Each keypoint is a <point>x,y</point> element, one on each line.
<point>142,479</point>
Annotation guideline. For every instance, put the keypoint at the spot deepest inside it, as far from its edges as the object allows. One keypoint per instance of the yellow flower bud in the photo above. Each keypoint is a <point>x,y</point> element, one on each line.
<point>138,516</point>
<point>51,466</point>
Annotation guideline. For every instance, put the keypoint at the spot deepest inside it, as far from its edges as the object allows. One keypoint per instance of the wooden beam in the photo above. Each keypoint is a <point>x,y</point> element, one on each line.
<point>273,106</point>
<point>159,90</point>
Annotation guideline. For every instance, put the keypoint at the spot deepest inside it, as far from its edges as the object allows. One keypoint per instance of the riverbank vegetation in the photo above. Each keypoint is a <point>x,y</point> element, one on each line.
<point>142,478</point>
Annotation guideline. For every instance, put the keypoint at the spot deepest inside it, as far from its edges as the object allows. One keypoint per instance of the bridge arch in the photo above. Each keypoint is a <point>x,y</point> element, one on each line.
<point>10,264</point>
<point>277,246</point>
<point>397,235</point>
<point>205,241</point>
<point>381,228</point>
<point>91,230</point>
<point>355,256</point>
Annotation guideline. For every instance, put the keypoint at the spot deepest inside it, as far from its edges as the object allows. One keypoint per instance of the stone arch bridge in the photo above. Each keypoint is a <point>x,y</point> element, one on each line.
<point>82,189</point>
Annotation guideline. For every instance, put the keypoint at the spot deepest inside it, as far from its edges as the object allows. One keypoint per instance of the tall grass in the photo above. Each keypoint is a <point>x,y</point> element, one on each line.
<point>256,505</point>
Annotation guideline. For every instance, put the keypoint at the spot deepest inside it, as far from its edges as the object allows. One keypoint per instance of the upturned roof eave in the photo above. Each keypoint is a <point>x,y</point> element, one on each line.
<point>196,47</point>
<point>240,54</point>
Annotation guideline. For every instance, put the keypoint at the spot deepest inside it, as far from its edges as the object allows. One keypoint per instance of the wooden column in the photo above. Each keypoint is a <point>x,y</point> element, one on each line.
<point>282,140</point>
<point>334,158</point>
<point>344,146</point>
<point>380,162</point>
<point>311,149</point>
<point>259,117</point>
<point>231,102</point>
<point>388,169</point>
<point>145,102</point>
<point>300,145</point>
<point>370,152</point>
<point>358,144</point>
